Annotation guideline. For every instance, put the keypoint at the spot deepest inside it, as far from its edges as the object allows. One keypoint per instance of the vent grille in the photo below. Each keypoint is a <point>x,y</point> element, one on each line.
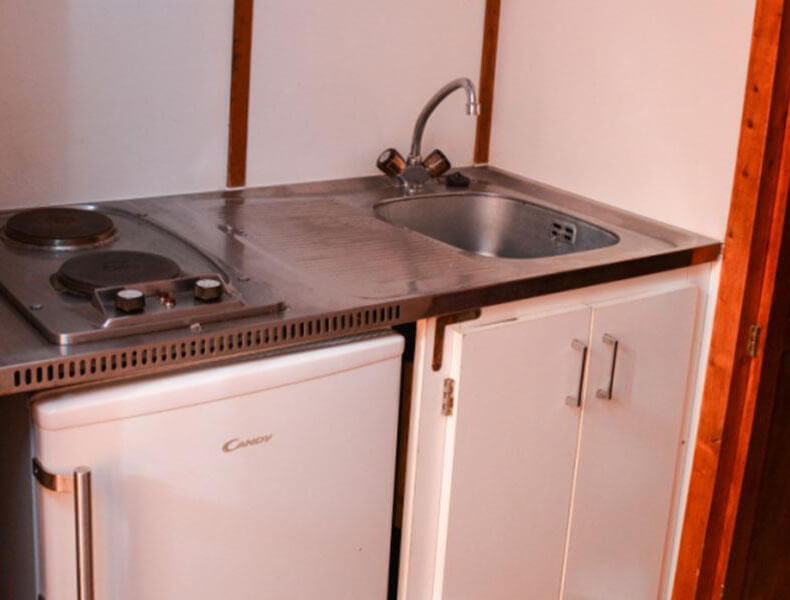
<point>199,348</point>
<point>563,232</point>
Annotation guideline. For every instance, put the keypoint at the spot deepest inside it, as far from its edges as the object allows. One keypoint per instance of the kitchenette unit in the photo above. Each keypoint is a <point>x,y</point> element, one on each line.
<point>252,350</point>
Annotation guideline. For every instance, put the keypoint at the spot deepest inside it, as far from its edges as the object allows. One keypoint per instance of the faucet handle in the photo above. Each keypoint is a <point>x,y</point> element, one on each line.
<point>436,163</point>
<point>391,162</point>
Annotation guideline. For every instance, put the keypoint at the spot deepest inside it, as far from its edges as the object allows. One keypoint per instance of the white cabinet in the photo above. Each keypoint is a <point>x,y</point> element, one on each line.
<point>629,447</point>
<point>529,489</point>
<point>513,458</point>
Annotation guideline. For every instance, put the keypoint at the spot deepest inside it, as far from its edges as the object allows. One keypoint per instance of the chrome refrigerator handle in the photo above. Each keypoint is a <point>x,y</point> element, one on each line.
<point>78,483</point>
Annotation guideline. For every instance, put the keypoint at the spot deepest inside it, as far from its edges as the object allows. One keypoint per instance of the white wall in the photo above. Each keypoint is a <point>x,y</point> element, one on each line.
<point>106,99</point>
<point>636,103</point>
<point>335,83</point>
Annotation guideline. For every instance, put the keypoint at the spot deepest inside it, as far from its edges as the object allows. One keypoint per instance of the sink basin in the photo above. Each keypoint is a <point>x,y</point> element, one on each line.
<point>494,225</point>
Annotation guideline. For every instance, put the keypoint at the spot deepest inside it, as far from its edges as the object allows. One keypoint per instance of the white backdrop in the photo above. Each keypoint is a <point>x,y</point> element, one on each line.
<point>105,99</point>
<point>635,103</point>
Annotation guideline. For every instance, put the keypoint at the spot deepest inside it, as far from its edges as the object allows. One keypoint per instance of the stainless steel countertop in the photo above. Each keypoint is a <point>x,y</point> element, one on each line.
<point>341,271</point>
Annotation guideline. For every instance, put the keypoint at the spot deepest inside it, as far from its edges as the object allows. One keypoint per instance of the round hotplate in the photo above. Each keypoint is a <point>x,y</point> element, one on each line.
<point>110,268</point>
<point>59,227</point>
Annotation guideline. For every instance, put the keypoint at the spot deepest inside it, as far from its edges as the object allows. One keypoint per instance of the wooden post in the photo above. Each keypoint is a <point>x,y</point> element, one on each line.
<point>239,93</point>
<point>751,254</point>
<point>487,76</point>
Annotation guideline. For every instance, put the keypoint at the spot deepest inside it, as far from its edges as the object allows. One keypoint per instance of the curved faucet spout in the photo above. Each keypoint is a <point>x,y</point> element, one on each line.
<point>472,108</point>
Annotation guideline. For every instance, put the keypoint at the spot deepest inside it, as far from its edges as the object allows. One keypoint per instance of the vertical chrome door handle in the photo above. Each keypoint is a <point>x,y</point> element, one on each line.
<point>79,484</point>
<point>614,342</point>
<point>83,523</point>
<point>577,400</point>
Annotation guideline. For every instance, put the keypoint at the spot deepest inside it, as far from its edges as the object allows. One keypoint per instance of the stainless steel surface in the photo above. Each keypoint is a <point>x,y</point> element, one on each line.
<point>608,393</point>
<point>472,109</point>
<point>494,225</point>
<point>79,484</point>
<point>50,287</point>
<point>340,270</point>
<point>83,524</point>
<point>416,173</point>
<point>577,399</point>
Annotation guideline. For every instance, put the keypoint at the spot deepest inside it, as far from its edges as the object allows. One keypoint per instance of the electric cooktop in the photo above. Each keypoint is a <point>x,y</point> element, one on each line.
<point>84,273</point>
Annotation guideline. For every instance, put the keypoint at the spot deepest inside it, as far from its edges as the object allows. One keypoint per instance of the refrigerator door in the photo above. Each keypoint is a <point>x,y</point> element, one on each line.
<point>269,479</point>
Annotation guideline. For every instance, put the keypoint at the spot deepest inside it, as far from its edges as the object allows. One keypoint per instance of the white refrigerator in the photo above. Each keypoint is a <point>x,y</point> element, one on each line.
<point>266,479</point>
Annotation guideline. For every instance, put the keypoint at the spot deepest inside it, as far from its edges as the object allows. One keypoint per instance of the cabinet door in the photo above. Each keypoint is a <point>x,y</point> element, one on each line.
<point>629,447</point>
<point>511,452</point>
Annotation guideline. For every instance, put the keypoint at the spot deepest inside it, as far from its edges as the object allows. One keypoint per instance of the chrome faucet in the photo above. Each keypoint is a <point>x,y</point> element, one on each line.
<point>414,171</point>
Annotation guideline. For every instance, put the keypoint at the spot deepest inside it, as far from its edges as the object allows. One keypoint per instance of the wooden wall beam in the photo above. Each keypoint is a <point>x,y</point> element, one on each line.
<point>751,247</point>
<point>239,93</point>
<point>487,76</point>
<point>761,297</point>
<point>746,573</point>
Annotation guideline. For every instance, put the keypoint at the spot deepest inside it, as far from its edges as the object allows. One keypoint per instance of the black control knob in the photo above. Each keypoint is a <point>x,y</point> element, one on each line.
<point>457,180</point>
<point>208,290</point>
<point>130,301</point>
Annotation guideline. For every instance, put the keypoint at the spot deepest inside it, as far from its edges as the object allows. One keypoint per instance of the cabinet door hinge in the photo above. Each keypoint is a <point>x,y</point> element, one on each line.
<point>753,342</point>
<point>448,397</point>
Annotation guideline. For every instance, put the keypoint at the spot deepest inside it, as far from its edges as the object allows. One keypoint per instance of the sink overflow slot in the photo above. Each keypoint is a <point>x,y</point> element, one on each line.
<point>563,232</point>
